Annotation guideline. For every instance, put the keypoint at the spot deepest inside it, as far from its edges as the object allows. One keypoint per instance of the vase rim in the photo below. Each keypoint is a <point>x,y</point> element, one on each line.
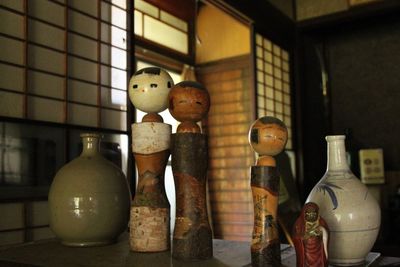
<point>335,137</point>
<point>93,135</point>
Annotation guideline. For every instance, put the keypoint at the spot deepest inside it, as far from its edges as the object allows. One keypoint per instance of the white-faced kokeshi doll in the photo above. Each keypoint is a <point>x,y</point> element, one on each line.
<point>150,212</point>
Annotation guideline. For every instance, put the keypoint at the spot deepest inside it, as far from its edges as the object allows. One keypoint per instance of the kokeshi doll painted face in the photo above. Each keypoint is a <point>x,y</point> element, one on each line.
<point>268,137</point>
<point>149,89</point>
<point>189,102</point>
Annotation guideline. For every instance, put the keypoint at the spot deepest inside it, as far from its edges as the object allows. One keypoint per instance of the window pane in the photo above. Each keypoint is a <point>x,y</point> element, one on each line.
<point>285,77</point>
<point>82,69</point>
<point>13,4</point>
<point>119,3</point>
<point>82,115</point>
<point>277,61</point>
<point>82,24</point>
<point>138,23</point>
<point>260,102</point>
<point>285,66</point>
<point>11,24</point>
<point>258,39</point>
<point>118,37</point>
<point>118,17</point>
<point>260,65</point>
<point>45,109</point>
<point>11,78</point>
<point>82,92</point>
<point>174,21</point>
<point>278,85</point>
<point>276,50</point>
<point>113,119</point>
<point>118,58</point>
<point>89,7</point>
<point>259,52</point>
<point>268,68</point>
<point>11,104</point>
<point>260,89</point>
<point>146,8</point>
<point>269,80</point>
<point>270,92</point>
<point>277,73</point>
<point>260,76</point>
<point>11,50</point>
<point>46,85</point>
<point>161,33</point>
<point>267,44</point>
<point>113,98</point>
<point>278,96</point>
<point>82,46</point>
<point>286,88</point>
<point>46,59</point>
<point>287,110</point>
<point>48,11</point>
<point>45,34</point>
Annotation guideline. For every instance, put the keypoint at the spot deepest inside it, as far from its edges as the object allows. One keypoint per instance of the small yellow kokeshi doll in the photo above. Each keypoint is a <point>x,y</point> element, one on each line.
<point>268,137</point>
<point>148,92</point>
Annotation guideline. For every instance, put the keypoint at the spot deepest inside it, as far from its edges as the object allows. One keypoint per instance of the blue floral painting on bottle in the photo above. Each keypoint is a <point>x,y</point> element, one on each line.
<point>327,187</point>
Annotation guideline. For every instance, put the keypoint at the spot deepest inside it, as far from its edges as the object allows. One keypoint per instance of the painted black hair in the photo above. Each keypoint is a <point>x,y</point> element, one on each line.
<point>149,70</point>
<point>191,84</point>
<point>271,120</point>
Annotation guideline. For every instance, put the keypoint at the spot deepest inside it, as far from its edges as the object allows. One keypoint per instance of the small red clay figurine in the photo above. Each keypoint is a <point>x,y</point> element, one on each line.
<point>311,237</point>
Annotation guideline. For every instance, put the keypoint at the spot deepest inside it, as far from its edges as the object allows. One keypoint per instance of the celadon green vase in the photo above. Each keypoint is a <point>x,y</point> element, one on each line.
<point>89,199</point>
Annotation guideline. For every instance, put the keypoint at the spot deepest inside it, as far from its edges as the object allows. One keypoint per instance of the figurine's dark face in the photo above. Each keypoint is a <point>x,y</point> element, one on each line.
<point>311,215</point>
<point>188,103</point>
<point>268,138</point>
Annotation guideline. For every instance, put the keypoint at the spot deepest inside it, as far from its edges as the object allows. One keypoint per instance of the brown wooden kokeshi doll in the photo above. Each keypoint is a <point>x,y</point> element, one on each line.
<point>189,102</point>
<point>311,238</point>
<point>150,211</point>
<point>268,137</point>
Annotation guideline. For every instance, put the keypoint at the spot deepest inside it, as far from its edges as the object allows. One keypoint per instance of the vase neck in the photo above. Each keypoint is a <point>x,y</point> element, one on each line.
<point>91,144</point>
<point>337,160</point>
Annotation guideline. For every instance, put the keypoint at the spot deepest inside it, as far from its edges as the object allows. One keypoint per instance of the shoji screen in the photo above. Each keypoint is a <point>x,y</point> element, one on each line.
<point>64,61</point>
<point>273,83</point>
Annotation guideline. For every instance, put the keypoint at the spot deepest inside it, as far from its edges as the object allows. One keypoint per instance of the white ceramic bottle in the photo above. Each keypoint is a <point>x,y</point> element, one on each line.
<point>351,212</point>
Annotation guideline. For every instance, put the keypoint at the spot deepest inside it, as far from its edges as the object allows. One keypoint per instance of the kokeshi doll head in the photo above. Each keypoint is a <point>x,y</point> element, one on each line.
<point>268,137</point>
<point>189,102</point>
<point>148,91</point>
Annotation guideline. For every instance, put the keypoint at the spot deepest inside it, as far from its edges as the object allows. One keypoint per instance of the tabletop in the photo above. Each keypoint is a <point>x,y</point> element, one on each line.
<point>226,253</point>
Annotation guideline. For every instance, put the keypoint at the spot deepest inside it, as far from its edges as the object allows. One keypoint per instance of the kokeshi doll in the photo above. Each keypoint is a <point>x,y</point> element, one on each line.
<point>150,211</point>
<point>189,102</point>
<point>267,137</point>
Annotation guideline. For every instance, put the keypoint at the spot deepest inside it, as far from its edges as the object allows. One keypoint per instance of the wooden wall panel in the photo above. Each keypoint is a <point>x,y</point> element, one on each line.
<point>219,36</point>
<point>230,87</point>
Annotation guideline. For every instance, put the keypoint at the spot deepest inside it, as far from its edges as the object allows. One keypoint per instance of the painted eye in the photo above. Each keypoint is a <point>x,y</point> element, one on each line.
<point>153,85</point>
<point>135,86</point>
<point>169,85</point>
